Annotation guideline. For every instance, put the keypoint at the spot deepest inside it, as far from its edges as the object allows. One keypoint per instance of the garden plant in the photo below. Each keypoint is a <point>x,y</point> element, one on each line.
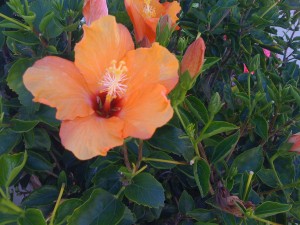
<point>149,112</point>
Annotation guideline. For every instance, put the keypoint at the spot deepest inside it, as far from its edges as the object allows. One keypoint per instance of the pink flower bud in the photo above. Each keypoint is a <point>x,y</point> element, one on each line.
<point>246,69</point>
<point>267,52</point>
<point>295,140</point>
<point>193,58</point>
<point>224,37</point>
<point>94,9</point>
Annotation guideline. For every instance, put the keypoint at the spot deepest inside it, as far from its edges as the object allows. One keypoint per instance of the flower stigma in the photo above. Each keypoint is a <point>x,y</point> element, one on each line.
<point>148,9</point>
<point>113,83</point>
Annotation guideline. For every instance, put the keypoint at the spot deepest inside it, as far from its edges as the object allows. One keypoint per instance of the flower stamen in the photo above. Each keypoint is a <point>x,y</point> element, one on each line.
<point>113,82</point>
<point>149,10</point>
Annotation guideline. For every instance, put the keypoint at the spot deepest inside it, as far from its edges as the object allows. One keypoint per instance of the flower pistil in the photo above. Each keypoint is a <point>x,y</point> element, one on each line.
<point>148,9</point>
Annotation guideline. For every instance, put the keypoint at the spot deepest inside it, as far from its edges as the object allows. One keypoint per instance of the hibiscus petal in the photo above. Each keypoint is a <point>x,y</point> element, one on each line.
<point>145,110</point>
<point>58,83</point>
<point>151,66</point>
<point>103,41</point>
<point>91,136</point>
<point>94,9</point>
<point>172,9</point>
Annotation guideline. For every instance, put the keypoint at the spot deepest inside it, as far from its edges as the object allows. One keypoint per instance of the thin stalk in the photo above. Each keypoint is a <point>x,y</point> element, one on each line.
<point>3,194</point>
<point>120,192</point>
<point>126,159</point>
<point>164,161</point>
<point>15,21</point>
<point>263,220</point>
<point>271,7</point>
<point>140,155</point>
<point>57,203</point>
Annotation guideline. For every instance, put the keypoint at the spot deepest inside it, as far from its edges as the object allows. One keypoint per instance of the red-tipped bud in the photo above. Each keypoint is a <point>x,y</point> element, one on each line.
<point>267,52</point>
<point>193,58</point>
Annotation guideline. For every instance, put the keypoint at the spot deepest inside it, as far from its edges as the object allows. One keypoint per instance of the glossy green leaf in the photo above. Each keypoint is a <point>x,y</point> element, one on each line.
<point>261,126</point>
<point>160,165</point>
<point>186,203</point>
<point>8,140</point>
<point>145,190</point>
<point>20,126</point>
<point>11,166</point>
<point>202,175</point>
<point>37,162</point>
<point>23,37</point>
<point>225,147</point>
<point>250,160</point>
<point>171,139</point>
<point>65,210</point>
<point>32,217</point>
<point>46,195</point>
<point>197,108</point>
<point>102,208</point>
<point>15,80</point>
<point>9,212</point>
<point>216,127</point>
<point>271,208</point>
<point>214,105</point>
<point>209,62</point>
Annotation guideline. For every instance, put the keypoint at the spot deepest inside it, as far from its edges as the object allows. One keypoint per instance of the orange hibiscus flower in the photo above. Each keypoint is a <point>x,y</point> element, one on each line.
<point>145,15</point>
<point>109,93</point>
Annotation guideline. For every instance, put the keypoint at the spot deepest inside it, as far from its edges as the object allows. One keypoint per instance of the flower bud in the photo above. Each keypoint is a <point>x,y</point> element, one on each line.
<point>193,58</point>
<point>295,140</point>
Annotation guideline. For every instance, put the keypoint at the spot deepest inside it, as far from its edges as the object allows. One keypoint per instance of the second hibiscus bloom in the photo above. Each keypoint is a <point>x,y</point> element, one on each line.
<point>109,93</point>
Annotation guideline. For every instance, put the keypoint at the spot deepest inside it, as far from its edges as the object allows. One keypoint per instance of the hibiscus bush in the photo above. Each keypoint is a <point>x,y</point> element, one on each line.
<point>149,112</point>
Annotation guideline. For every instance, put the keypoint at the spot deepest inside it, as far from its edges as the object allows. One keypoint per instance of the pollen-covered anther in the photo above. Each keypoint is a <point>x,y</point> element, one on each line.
<point>113,80</point>
<point>148,9</point>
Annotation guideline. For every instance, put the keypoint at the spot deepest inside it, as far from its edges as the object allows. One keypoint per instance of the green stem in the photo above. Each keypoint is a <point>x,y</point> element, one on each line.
<point>57,203</point>
<point>120,192</point>
<point>249,92</point>
<point>271,161</point>
<point>15,21</point>
<point>263,220</point>
<point>248,185</point>
<point>164,161</point>
<point>139,171</point>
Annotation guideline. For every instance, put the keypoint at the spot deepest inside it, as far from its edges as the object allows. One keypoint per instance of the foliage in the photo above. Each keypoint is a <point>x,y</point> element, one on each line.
<point>222,159</point>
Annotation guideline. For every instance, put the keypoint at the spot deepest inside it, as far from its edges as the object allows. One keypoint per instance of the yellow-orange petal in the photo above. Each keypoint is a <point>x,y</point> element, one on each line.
<point>91,136</point>
<point>172,9</point>
<point>145,110</point>
<point>153,65</point>
<point>58,83</point>
<point>193,58</point>
<point>103,41</point>
<point>94,9</point>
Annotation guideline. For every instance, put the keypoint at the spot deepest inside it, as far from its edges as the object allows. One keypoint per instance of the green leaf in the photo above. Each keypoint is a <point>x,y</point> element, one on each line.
<point>197,108</point>
<point>217,127</point>
<point>43,196</point>
<point>102,208</point>
<point>214,105</point>
<point>225,147</point>
<point>20,126</point>
<point>128,218</point>
<point>15,80</point>
<point>295,211</point>
<point>8,140</point>
<point>202,174</point>
<point>261,126</point>
<point>271,208</point>
<point>9,212</point>
<point>250,160</point>
<point>145,190</point>
<point>174,140</point>
<point>32,217</point>
<point>186,203</point>
<point>201,214</point>
<point>209,62</point>
<point>23,37</point>
<point>65,210</point>
<point>45,21</point>
<point>268,177</point>
<point>11,166</point>
<point>37,162</point>
<point>255,63</point>
<point>38,139</point>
